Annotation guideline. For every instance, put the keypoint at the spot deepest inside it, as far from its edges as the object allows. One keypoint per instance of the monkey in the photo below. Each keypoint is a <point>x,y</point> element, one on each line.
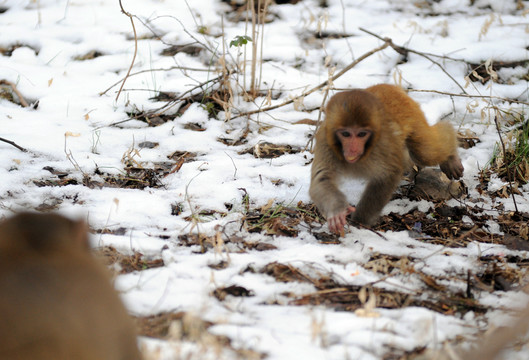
<point>374,134</point>
<point>56,300</point>
<point>498,340</point>
<point>488,346</point>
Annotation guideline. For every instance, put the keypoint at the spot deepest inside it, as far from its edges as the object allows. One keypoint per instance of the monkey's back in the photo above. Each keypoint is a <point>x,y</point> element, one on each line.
<point>427,145</point>
<point>58,303</point>
<point>401,108</point>
<point>59,309</point>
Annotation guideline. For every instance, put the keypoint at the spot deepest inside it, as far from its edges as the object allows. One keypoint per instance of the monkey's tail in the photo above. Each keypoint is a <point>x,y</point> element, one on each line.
<point>432,145</point>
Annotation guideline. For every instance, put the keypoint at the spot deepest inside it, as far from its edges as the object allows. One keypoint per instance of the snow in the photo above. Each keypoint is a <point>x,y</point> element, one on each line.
<point>75,116</point>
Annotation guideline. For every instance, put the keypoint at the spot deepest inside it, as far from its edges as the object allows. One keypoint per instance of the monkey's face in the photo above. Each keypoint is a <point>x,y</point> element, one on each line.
<point>352,124</point>
<point>354,141</point>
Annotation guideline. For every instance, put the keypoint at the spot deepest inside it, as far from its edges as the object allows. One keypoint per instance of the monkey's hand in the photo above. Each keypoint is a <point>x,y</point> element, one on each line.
<point>338,221</point>
<point>452,167</point>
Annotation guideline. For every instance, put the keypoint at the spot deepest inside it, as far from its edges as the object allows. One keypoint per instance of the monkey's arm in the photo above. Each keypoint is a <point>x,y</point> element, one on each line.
<point>325,193</point>
<point>376,195</point>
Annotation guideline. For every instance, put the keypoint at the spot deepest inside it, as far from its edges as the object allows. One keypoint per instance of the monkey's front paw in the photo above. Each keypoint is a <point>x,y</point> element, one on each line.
<point>338,221</point>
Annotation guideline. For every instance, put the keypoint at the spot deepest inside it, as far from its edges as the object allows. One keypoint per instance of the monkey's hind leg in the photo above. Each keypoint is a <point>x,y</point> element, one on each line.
<point>432,145</point>
<point>436,145</point>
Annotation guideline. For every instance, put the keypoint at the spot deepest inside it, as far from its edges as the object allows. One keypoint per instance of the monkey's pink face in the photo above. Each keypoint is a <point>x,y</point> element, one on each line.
<point>353,140</point>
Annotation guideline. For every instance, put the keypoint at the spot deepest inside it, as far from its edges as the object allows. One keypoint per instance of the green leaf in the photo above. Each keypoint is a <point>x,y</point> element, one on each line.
<point>240,40</point>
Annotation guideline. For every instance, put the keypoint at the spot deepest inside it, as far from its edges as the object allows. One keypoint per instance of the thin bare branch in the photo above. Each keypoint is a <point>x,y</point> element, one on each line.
<point>153,70</point>
<point>23,101</point>
<point>490,97</point>
<point>316,88</point>
<point>135,48</point>
<point>14,144</point>
<point>509,168</point>
<point>404,50</point>
<point>167,106</point>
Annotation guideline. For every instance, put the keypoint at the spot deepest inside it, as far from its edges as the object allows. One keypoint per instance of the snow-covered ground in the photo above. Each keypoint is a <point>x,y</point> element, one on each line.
<point>70,128</point>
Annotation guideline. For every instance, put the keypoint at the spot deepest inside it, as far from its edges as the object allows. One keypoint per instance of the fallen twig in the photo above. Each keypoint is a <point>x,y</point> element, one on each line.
<point>14,144</point>
<point>166,107</point>
<point>23,101</point>
<point>362,226</point>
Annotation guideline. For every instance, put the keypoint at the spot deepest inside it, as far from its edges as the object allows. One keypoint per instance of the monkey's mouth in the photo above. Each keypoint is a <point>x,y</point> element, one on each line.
<point>352,159</point>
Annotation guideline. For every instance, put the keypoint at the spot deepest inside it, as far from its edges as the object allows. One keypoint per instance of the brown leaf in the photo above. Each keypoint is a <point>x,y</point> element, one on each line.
<point>233,290</point>
<point>430,282</point>
<point>284,273</point>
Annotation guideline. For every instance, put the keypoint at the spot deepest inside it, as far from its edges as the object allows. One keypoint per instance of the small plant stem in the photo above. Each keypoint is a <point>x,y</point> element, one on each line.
<point>509,175</point>
<point>135,48</point>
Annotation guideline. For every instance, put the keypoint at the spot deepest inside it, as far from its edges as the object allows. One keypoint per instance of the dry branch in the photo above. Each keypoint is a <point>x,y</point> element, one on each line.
<point>504,154</point>
<point>183,68</point>
<point>14,144</point>
<point>387,42</point>
<point>404,51</point>
<point>135,48</point>
<point>316,88</point>
<point>488,97</point>
<point>23,101</point>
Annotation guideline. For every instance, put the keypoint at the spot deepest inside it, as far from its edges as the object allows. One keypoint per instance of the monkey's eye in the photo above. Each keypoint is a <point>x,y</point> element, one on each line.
<point>362,134</point>
<point>345,133</point>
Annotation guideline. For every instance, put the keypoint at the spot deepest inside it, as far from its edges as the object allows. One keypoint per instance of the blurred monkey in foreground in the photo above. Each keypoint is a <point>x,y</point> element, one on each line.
<point>56,301</point>
<point>489,346</point>
<point>492,344</point>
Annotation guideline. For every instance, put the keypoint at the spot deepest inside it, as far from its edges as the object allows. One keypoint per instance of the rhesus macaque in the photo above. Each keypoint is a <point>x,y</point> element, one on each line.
<point>490,345</point>
<point>56,301</point>
<point>373,134</point>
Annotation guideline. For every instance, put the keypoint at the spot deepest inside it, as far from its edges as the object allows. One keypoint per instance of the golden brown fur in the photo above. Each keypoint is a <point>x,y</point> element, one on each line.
<point>428,145</point>
<point>397,131</point>
<point>56,301</point>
